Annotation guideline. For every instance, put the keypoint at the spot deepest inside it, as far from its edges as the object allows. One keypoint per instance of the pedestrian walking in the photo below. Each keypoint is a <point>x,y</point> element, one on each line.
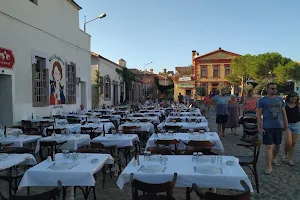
<point>250,102</point>
<point>292,134</point>
<point>271,107</point>
<point>233,115</point>
<point>207,102</point>
<point>221,103</point>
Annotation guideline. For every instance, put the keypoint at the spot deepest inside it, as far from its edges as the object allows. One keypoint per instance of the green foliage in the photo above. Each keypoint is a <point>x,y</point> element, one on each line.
<point>128,78</point>
<point>164,90</point>
<point>98,85</point>
<point>201,91</point>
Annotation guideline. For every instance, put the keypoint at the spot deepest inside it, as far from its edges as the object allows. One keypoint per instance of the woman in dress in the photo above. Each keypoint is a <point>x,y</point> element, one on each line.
<point>234,113</point>
<point>250,102</point>
<point>292,134</point>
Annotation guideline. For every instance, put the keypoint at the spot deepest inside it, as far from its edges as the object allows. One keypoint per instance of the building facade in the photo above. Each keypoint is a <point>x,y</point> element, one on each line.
<point>112,87</point>
<point>211,69</point>
<point>184,81</point>
<point>44,59</point>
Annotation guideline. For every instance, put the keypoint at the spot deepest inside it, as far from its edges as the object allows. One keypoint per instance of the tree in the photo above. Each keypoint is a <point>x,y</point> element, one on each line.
<point>201,91</point>
<point>164,90</point>
<point>290,71</point>
<point>97,88</point>
<point>128,78</point>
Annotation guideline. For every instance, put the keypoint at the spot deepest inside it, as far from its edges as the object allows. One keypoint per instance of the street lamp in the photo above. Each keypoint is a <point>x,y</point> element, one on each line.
<point>99,17</point>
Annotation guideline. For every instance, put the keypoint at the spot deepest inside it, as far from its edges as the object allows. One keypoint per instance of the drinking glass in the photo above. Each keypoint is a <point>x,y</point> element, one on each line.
<point>194,158</point>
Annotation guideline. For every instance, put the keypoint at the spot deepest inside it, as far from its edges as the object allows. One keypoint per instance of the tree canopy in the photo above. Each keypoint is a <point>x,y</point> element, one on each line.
<point>128,78</point>
<point>264,68</point>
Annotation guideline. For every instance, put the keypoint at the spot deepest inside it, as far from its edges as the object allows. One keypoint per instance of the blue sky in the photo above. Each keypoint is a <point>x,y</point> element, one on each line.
<point>165,32</point>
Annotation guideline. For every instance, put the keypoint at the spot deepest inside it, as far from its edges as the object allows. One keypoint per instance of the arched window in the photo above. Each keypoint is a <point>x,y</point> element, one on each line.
<point>107,87</point>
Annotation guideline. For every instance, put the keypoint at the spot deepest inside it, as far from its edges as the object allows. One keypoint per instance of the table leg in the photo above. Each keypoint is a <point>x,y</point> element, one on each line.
<point>72,193</point>
<point>187,193</point>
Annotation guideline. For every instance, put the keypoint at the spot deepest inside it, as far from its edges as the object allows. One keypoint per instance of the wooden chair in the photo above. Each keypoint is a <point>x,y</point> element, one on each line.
<point>29,128</point>
<point>73,120</point>
<point>150,190</point>
<point>215,196</point>
<point>130,129</point>
<point>168,144</point>
<point>199,146</point>
<point>49,131</point>
<point>49,195</point>
<point>14,174</point>
<point>160,150</point>
<point>44,124</point>
<point>50,146</point>
<point>137,115</point>
<point>143,120</point>
<point>109,150</point>
<point>90,131</point>
<point>251,161</point>
<point>174,128</point>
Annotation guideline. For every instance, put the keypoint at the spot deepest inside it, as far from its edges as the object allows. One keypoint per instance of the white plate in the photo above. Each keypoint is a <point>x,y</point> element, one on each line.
<point>61,166</point>
<point>208,170</point>
<point>152,168</point>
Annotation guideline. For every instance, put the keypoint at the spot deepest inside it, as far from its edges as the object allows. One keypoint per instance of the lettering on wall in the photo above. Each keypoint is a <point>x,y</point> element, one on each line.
<point>7,59</point>
<point>57,80</point>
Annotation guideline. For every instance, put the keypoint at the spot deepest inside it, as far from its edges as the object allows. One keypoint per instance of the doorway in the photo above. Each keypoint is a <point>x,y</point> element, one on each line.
<point>6,106</point>
<point>83,93</point>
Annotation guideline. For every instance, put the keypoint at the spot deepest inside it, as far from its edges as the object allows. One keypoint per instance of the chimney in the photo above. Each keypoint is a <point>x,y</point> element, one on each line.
<point>151,71</point>
<point>121,62</point>
<point>193,54</point>
<point>164,71</point>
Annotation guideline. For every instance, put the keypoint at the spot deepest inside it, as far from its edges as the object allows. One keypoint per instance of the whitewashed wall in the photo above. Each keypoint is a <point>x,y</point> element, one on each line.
<point>107,68</point>
<point>59,34</point>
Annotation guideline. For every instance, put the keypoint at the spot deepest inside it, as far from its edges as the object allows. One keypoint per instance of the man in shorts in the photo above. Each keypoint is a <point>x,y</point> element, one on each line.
<point>271,107</point>
<point>221,103</point>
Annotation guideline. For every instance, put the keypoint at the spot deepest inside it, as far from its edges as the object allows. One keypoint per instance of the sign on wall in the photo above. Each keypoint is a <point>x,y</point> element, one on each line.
<point>185,79</point>
<point>7,59</point>
<point>57,79</point>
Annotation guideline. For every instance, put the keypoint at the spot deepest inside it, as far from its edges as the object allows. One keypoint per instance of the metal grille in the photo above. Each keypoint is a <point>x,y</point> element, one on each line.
<point>39,83</point>
<point>71,84</point>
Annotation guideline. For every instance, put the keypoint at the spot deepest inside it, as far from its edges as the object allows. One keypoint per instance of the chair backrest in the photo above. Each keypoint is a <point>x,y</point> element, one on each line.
<point>201,143</point>
<point>49,195</point>
<point>89,130</point>
<point>103,149</point>
<point>152,188</point>
<point>49,131</point>
<point>27,126</point>
<point>130,129</point>
<point>45,124</point>
<point>143,120</point>
<point>243,196</point>
<point>174,128</point>
<point>167,143</point>
<point>204,150</point>
<point>50,146</point>
<point>160,150</point>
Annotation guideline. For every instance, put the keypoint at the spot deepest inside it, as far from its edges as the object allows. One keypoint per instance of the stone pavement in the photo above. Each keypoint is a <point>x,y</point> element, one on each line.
<point>283,184</point>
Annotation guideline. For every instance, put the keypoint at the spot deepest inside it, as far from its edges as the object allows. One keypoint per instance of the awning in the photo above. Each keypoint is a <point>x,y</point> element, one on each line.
<point>186,85</point>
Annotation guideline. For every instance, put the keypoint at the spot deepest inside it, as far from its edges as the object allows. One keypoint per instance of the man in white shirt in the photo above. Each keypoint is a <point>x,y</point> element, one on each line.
<point>82,110</point>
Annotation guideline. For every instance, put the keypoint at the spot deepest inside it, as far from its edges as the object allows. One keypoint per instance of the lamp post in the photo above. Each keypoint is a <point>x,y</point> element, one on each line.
<point>86,22</point>
<point>145,75</point>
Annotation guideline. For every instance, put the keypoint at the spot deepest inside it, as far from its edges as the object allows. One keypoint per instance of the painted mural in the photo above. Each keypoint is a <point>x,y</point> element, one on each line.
<point>57,80</point>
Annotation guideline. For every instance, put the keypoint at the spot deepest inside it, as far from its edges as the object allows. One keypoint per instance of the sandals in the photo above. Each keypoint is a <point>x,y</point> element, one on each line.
<point>283,158</point>
<point>291,163</point>
<point>267,172</point>
<point>275,163</point>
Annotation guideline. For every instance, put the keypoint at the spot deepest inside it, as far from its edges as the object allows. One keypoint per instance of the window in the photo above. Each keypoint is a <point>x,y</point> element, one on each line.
<point>203,71</point>
<point>34,1</point>
<point>106,87</point>
<point>40,83</point>
<point>227,70</point>
<point>71,83</point>
<point>146,91</point>
<point>216,71</point>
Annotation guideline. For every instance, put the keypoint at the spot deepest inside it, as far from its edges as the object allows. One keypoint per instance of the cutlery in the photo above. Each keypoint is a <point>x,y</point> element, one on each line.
<point>87,156</point>
<point>51,165</point>
<point>73,166</point>
<point>140,168</point>
<point>195,169</point>
<point>164,169</point>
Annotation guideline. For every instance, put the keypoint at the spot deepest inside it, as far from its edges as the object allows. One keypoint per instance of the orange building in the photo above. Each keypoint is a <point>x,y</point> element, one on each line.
<point>211,69</point>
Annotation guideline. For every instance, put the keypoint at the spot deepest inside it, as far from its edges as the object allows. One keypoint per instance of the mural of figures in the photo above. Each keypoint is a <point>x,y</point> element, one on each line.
<point>57,92</point>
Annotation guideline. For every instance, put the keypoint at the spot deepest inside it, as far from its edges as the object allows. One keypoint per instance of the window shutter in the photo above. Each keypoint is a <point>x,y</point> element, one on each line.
<point>47,90</point>
<point>74,95</point>
<point>33,85</point>
<point>66,84</point>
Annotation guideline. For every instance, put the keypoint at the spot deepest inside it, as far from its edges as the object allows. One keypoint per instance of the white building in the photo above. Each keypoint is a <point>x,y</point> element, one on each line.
<point>51,59</point>
<point>111,87</point>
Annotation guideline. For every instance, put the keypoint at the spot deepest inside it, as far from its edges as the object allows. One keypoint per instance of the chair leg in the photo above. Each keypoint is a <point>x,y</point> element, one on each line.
<point>94,192</point>
<point>28,191</point>
<point>188,196</point>
<point>103,182</point>
<point>110,172</point>
<point>256,178</point>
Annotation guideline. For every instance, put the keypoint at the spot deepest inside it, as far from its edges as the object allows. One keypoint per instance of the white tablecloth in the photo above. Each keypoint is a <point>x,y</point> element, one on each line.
<point>11,131</point>
<point>9,160</point>
<point>80,175</point>
<point>76,128</point>
<point>19,141</point>
<point>73,141</point>
<point>185,118</point>
<point>185,125</point>
<point>158,114</point>
<point>228,178</point>
<point>185,137</point>
<point>154,120</point>
<point>186,113</point>
<point>163,112</point>
<point>146,127</point>
<point>120,141</point>
<point>79,117</point>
